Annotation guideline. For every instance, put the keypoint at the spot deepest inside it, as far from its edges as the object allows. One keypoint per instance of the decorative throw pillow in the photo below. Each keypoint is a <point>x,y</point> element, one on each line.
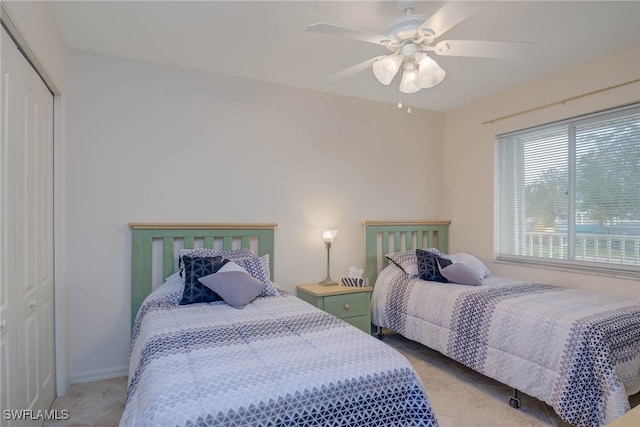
<point>459,273</point>
<point>481,270</point>
<point>237,288</point>
<point>437,252</point>
<point>258,267</point>
<point>428,266</point>
<point>204,252</point>
<point>232,266</point>
<point>406,260</point>
<point>210,253</point>
<point>195,268</point>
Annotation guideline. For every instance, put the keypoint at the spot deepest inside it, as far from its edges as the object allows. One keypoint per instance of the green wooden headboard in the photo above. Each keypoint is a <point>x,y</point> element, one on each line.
<point>383,237</point>
<point>165,240</point>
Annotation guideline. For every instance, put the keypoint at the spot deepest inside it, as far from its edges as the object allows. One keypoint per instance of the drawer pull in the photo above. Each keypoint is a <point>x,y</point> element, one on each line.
<point>347,306</point>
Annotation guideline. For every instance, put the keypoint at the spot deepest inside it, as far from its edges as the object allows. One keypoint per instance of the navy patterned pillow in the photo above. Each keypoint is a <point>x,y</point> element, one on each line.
<point>428,266</point>
<point>195,268</point>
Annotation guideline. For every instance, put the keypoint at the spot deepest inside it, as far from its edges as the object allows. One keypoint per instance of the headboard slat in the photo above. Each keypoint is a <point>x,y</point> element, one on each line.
<point>227,243</point>
<point>376,234</point>
<point>385,242</point>
<point>167,256</point>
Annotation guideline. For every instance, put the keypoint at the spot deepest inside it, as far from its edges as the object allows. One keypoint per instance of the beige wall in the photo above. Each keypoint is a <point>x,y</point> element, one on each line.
<point>468,157</point>
<point>157,143</point>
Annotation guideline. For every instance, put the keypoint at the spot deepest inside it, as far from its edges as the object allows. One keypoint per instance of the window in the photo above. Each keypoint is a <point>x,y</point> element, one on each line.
<point>569,192</point>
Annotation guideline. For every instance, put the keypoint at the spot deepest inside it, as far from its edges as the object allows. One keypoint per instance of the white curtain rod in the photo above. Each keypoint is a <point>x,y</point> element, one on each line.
<point>562,101</point>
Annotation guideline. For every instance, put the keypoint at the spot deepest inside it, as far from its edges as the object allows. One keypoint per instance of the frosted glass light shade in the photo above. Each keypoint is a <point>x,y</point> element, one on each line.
<point>429,73</point>
<point>409,78</point>
<point>329,235</point>
<point>386,69</point>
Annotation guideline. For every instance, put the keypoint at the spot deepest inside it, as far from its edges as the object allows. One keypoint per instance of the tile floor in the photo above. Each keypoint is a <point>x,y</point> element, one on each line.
<point>460,397</point>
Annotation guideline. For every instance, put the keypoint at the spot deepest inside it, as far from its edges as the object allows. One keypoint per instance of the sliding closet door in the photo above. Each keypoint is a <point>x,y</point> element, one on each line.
<point>8,306</point>
<point>27,227</point>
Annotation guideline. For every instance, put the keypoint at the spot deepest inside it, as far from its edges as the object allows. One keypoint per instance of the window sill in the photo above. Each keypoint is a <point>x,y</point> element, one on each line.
<point>591,268</point>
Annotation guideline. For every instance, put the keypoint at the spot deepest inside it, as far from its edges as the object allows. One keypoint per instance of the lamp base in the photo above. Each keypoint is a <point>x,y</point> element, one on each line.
<point>328,282</point>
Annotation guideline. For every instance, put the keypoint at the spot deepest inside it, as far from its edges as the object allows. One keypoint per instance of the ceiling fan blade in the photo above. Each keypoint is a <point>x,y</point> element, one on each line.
<point>352,70</point>
<point>481,49</point>
<point>450,15</point>
<point>352,33</point>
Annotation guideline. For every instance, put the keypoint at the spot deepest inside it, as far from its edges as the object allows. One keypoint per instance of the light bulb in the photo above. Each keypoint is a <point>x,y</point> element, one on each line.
<point>409,76</point>
<point>329,235</point>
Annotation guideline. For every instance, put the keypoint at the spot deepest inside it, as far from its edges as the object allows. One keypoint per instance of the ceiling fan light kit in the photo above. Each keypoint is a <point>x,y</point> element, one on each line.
<point>420,71</point>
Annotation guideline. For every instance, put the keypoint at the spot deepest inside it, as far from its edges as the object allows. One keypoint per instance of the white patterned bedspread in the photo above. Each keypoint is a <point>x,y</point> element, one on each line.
<point>277,362</point>
<point>578,351</point>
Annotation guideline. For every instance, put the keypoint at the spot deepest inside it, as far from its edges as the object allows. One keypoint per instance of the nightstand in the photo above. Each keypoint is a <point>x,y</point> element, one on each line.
<point>349,303</point>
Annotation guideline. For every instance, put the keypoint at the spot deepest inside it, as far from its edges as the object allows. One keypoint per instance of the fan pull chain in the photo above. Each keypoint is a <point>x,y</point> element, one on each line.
<point>409,110</point>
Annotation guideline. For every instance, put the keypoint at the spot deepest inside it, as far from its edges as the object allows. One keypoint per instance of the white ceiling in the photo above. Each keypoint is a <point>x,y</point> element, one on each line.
<point>266,40</point>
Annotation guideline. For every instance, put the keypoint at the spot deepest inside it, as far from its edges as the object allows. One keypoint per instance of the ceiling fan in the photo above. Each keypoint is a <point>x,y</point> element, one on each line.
<point>411,38</point>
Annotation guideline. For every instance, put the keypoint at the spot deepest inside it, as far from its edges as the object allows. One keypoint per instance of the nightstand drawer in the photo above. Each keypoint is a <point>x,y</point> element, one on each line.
<point>346,302</point>
<point>347,305</point>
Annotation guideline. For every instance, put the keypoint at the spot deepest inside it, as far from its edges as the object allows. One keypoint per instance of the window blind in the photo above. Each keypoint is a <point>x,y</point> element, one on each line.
<point>570,190</point>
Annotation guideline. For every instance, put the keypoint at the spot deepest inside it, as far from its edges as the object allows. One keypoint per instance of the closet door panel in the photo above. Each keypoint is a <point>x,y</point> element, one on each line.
<point>33,244</point>
<point>24,248</point>
<point>43,237</point>
<point>44,243</point>
<point>8,305</point>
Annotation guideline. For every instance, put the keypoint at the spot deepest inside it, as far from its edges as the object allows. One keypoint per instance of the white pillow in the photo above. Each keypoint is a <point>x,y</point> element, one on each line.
<point>481,270</point>
<point>235,287</point>
<point>406,260</point>
<point>461,274</point>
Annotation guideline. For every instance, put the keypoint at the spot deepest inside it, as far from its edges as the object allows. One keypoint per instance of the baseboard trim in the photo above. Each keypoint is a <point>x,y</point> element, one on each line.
<point>99,374</point>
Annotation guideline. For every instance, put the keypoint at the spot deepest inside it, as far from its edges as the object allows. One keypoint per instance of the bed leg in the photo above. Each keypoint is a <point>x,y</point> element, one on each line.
<point>514,402</point>
<point>379,333</point>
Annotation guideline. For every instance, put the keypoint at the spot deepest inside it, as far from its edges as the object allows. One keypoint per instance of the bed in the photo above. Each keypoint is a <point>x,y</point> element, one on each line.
<point>577,351</point>
<point>277,361</point>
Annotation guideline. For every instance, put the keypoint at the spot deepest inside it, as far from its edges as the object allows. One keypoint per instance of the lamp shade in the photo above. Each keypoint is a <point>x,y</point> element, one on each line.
<point>409,78</point>
<point>329,235</point>
<point>429,73</point>
<point>386,69</point>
